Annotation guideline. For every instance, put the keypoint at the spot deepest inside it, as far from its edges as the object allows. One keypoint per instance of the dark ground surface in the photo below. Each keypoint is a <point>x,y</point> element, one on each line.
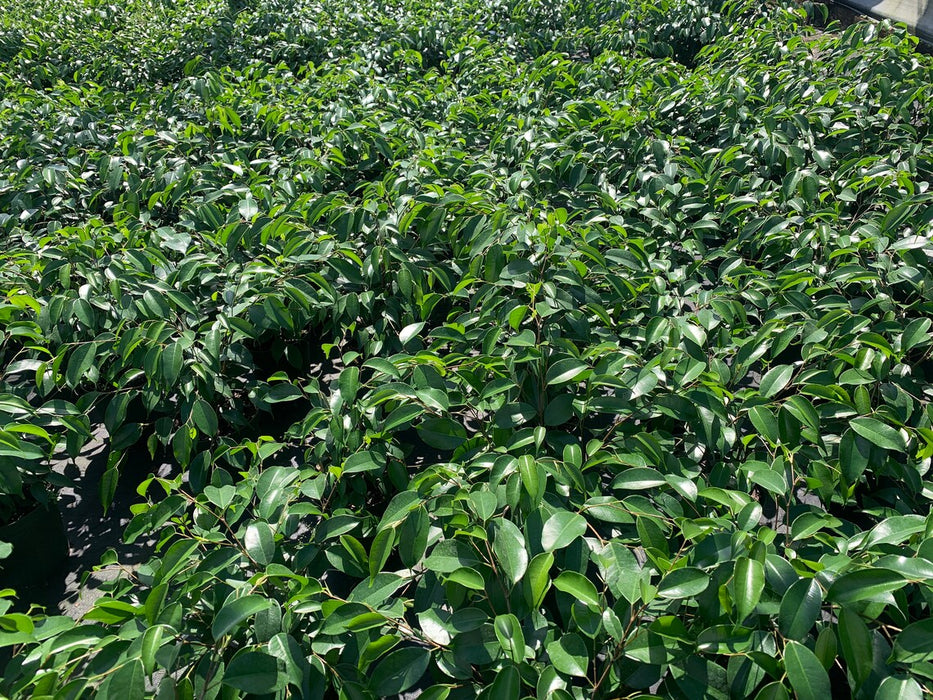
<point>91,533</point>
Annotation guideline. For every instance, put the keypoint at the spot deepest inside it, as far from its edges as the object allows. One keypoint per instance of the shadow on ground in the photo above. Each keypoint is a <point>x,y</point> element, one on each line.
<point>91,532</point>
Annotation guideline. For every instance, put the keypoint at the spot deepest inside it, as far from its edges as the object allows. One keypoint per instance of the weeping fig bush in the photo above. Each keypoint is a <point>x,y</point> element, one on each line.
<point>506,350</point>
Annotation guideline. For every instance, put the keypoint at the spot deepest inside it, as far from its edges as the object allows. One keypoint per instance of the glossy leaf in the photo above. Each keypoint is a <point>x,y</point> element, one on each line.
<point>800,609</point>
<point>578,586</point>
<point>683,583</point>
<point>806,674</point>
<point>569,655</point>
<point>511,638</point>
<point>879,434</point>
<point>510,551</point>
<point>748,585</point>
<point>561,529</point>
<point>775,379</point>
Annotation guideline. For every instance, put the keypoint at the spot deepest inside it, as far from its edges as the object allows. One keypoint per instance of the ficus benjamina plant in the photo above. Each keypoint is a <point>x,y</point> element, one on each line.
<point>504,350</point>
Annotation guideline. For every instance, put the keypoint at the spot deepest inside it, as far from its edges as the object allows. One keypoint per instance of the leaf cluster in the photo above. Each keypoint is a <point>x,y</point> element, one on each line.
<point>503,350</point>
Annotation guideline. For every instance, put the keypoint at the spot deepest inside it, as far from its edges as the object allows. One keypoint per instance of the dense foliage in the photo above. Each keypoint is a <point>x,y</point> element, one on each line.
<point>549,349</point>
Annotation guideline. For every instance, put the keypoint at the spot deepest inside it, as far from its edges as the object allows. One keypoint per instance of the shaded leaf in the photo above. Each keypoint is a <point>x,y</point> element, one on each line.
<point>253,672</point>
<point>400,670</point>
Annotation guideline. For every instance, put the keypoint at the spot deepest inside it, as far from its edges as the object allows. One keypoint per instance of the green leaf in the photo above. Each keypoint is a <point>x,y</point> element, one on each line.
<point>825,647</point>
<point>340,615</point>
<point>683,583</point>
<point>409,332</point>
<point>800,609</point>
<point>801,409</point>
<point>765,423</point>
<point>182,445</point>
<point>248,208</point>
<point>81,360</point>
<point>380,550</point>
<point>559,410</point>
<point>516,316</point>
<point>806,524</point>
<point>108,486</point>
<point>856,642</point>
<point>564,371</point>
<point>562,528</point>
<point>436,399</point>
<point>171,363</point>
<point>854,456</point>
<point>773,691</point>
<point>204,417</point>
<point>511,639</point>
<point>769,479</point>
<point>915,642</point>
<point>268,623</point>
<point>442,433</point>
<point>724,638</point>
<point>823,158</point>
<point>399,670</point>
<point>449,555</point>
<point>349,383</point>
<point>578,586</point>
<point>402,415</point>
<point>533,477</point>
<point>507,685</point>
<point>510,551</point>
<point>913,568</point>
<point>413,536</point>
<point>895,530</point>
<point>366,621</point>
<point>236,611</point>
<point>259,542</point>
<point>152,641</point>
<point>435,692</point>
<point>638,478</point>
<point>774,380</point>
<point>866,584</point>
<point>915,333</point>
<point>282,393</point>
<point>365,461</point>
<point>748,584</point>
<point>483,503</point>
<point>220,497</point>
<point>129,681</point>
<point>538,579</point>
<point>376,590</point>
<point>468,578</point>
<point>899,688</point>
<point>645,384</point>
<point>879,434</point>
<point>272,490</point>
<point>569,655</point>
<point>806,674</point>
<point>285,647</point>
<point>621,571</point>
<point>253,672</point>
